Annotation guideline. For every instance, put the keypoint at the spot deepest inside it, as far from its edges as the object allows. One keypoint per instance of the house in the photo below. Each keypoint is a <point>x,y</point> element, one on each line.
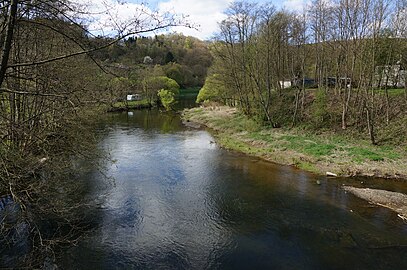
<point>134,97</point>
<point>285,84</point>
<point>390,76</point>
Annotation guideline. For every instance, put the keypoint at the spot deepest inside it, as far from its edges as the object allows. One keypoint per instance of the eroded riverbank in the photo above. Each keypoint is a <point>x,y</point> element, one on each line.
<point>315,153</point>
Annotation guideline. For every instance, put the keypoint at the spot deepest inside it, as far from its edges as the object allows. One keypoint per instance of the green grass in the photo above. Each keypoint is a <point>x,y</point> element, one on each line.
<point>307,166</point>
<point>317,146</point>
<point>239,123</point>
<point>341,153</point>
<point>359,154</point>
<point>305,145</point>
<point>232,143</point>
<point>132,104</point>
<point>392,91</point>
<point>308,146</point>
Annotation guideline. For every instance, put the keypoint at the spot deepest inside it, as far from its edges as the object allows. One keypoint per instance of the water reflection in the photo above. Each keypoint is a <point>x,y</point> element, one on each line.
<point>180,202</point>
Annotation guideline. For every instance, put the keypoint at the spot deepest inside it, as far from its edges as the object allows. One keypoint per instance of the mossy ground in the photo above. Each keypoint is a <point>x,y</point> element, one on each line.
<point>318,153</point>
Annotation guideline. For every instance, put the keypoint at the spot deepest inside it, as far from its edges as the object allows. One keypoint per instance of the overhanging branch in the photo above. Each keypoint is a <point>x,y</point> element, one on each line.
<point>91,50</point>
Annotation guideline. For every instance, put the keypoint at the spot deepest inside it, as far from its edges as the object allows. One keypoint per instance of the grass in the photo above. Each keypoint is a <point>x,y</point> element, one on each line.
<point>317,153</point>
<point>306,166</point>
<point>392,91</point>
<point>132,104</point>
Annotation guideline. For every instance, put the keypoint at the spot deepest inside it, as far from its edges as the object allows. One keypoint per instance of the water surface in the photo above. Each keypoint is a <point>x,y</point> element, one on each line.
<point>178,201</point>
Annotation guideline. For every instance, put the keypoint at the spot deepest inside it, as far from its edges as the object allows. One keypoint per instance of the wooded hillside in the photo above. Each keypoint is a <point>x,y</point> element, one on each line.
<point>335,66</point>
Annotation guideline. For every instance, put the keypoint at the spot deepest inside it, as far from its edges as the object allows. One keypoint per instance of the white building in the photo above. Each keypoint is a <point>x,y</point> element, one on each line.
<point>285,84</point>
<point>134,97</point>
<point>390,76</point>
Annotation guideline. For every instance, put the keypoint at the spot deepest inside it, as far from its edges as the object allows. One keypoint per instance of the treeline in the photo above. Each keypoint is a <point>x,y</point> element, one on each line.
<point>333,66</point>
<point>183,59</point>
<point>144,66</point>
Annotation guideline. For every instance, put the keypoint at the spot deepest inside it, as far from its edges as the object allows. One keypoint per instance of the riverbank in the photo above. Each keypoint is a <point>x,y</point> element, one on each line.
<point>130,105</point>
<point>392,200</point>
<point>315,153</point>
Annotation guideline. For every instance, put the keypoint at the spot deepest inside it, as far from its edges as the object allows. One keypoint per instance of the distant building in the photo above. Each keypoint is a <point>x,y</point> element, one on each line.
<point>390,76</point>
<point>134,97</point>
<point>285,84</point>
<point>147,60</point>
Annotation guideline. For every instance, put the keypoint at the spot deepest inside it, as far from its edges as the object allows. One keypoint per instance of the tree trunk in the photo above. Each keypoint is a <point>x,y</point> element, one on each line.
<point>11,20</point>
<point>370,126</point>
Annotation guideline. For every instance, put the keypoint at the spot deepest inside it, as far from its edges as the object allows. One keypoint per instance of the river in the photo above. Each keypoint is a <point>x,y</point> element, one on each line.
<point>178,201</point>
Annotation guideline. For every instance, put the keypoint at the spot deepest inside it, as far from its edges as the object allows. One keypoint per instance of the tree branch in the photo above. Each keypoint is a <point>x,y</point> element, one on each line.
<point>92,50</point>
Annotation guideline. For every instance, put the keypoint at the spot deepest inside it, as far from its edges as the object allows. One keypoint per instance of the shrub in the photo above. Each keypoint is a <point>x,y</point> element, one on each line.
<point>167,98</point>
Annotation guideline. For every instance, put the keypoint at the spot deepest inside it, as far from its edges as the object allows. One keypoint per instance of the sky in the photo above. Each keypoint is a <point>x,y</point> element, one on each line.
<point>204,14</point>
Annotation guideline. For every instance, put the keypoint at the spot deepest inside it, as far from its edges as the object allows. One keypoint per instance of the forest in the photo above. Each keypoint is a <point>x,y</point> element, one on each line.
<point>339,65</point>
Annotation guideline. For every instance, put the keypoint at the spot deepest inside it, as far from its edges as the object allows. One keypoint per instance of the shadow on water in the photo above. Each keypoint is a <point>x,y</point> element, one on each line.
<point>180,202</point>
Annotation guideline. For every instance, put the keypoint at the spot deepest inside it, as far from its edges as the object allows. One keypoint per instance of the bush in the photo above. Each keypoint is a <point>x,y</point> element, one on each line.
<point>167,98</point>
<point>163,82</point>
<point>212,90</point>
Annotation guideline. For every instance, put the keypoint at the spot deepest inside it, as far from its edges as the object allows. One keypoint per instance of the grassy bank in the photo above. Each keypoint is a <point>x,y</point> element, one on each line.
<point>320,153</point>
<point>130,105</point>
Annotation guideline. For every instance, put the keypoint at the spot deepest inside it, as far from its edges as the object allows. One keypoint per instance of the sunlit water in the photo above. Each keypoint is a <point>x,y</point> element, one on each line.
<point>178,201</point>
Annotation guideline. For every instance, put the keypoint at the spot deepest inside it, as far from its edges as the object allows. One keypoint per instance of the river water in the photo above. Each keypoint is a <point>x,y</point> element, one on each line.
<point>178,201</point>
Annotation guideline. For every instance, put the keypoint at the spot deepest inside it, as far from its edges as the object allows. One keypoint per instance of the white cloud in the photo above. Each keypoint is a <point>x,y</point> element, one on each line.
<point>107,17</point>
<point>205,14</point>
<point>296,5</point>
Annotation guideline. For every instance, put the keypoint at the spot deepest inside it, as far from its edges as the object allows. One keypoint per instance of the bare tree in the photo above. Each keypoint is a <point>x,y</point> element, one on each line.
<point>48,75</point>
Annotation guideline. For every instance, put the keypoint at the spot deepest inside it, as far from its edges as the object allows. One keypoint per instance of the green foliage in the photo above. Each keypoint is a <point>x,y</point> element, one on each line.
<point>167,98</point>
<point>116,51</point>
<point>169,57</point>
<point>187,58</point>
<point>121,82</point>
<point>282,108</point>
<point>191,92</point>
<point>212,89</point>
<point>119,87</point>
<point>162,82</point>
<point>175,71</point>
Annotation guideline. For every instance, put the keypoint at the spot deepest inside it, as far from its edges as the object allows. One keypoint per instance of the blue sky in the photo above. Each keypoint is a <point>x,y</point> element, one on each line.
<point>204,13</point>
